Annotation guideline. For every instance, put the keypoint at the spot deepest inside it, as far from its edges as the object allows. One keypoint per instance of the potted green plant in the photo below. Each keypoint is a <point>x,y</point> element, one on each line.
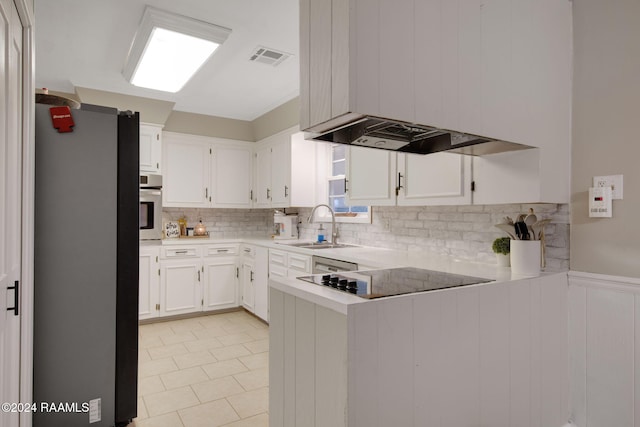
<point>501,246</point>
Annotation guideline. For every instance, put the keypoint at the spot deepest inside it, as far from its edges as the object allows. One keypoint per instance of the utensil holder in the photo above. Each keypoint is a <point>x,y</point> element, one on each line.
<point>525,258</point>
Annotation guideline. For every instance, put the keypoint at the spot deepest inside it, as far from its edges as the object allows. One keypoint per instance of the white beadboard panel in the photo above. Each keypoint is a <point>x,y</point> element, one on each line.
<point>305,351</point>
<point>520,351</point>
<point>466,340</point>
<point>578,353</point>
<point>289,361</point>
<point>339,57</point>
<point>395,361</point>
<point>494,356</point>
<point>535,302</point>
<point>364,58</point>
<point>554,353</point>
<point>428,356</point>
<point>610,379</point>
<point>363,342</point>
<point>636,388</point>
<point>604,339</point>
<point>320,61</point>
<point>276,357</point>
<point>331,368</point>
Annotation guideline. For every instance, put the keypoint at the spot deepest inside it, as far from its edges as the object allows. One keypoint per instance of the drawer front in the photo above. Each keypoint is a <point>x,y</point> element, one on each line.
<point>301,263</point>
<point>215,250</point>
<point>181,252</point>
<point>248,251</point>
<point>278,258</point>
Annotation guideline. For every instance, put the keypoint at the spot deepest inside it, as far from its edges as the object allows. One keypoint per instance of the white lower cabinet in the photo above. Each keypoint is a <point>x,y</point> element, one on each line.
<point>288,264</point>
<point>180,286</point>
<point>255,295</point>
<point>220,283</point>
<point>198,278</point>
<point>149,282</point>
<point>248,292</point>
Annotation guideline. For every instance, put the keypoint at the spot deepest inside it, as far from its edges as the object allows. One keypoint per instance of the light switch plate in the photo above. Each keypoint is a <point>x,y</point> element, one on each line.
<point>613,181</point>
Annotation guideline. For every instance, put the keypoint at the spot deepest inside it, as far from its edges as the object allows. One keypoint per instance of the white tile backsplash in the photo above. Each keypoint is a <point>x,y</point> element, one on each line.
<point>465,232</point>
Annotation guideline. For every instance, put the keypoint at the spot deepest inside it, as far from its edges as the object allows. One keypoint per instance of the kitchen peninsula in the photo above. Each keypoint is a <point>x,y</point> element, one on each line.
<point>484,354</point>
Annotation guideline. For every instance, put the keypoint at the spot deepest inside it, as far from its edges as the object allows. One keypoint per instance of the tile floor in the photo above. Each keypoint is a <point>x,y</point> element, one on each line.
<point>204,371</point>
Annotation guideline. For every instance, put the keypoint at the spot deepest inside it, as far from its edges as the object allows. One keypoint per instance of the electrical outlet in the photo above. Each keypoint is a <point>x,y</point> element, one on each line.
<point>613,181</point>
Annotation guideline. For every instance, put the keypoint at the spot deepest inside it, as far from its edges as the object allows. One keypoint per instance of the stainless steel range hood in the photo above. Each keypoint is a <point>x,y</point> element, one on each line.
<point>386,134</point>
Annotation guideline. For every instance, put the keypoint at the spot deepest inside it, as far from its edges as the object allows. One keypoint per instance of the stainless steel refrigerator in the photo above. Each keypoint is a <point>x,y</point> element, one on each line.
<point>86,269</point>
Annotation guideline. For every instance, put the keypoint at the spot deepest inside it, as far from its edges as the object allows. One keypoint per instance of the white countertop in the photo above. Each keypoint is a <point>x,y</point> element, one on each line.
<point>366,257</point>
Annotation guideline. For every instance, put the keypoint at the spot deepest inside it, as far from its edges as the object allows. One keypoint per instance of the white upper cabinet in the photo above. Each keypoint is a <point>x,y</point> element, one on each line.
<point>203,172</point>
<point>384,178</point>
<point>285,171</point>
<point>436,179</point>
<point>370,175</point>
<point>150,148</point>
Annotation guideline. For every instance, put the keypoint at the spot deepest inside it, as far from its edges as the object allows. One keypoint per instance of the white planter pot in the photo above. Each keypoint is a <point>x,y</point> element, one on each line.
<point>503,260</point>
<point>525,258</point>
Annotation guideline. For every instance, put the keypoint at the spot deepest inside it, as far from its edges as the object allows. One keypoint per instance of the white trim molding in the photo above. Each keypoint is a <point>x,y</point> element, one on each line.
<point>604,349</point>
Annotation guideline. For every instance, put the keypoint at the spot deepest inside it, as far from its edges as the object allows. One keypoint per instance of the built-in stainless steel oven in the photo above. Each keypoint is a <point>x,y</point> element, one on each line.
<point>150,218</point>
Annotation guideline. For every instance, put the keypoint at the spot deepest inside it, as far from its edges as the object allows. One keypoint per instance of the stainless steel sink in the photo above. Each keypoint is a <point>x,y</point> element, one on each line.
<point>316,245</point>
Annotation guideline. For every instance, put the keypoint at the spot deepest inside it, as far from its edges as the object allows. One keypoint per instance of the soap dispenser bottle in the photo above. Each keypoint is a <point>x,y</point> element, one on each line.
<point>320,233</point>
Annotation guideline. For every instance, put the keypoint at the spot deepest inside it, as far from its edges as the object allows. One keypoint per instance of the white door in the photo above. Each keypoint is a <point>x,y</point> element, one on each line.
<point>186,173</point>
<point>10,205</point>
<point>263,178</point>
<point>436,179</point>
<point>150,148</point>
<point>370,177</point>
<point>220,283</point>
<point>248,293</point>
<point>231,177</point>
<point>180,287</point>
<point>149,282</point>
<point>281,173</point>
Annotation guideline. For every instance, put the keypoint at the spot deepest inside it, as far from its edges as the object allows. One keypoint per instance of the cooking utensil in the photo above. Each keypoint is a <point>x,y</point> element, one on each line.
<point>521,230</point>
<point>507,228</point>
<point>538,228</point>
<point>531,218</point>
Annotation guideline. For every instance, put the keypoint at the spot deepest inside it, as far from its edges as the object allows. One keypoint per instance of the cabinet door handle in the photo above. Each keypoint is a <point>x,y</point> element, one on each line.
<point>247,250</point>
<point>268,194</point>
<point>198,275</point>
<point>237,272</point>
<point>286,191</point>
<point>180,252</point>
<point>16,297</point>
<point>399,186</point>
<point>206,193</point>
<point>251,278</point>
<point>251,195</point>
<point>346,189</point>
<point>223,250</point>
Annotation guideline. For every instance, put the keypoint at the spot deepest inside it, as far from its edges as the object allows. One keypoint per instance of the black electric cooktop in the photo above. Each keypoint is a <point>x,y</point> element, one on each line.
<point>394,281</point>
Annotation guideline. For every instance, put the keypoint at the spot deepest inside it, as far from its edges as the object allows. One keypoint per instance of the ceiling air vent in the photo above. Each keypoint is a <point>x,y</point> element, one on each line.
<point>268,56</point>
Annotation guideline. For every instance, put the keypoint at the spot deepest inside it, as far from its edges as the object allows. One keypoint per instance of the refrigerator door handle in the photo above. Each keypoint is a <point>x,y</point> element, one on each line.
<point>16,298</point>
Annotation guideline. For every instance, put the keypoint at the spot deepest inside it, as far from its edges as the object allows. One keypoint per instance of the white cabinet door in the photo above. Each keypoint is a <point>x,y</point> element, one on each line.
<point>370,177</point>
<point>180,286</point>
<point>281,174</point>
<point>248,292</point>
<point>436,179</point>
<point>231,177</point>
<point>150,148</point>
<point>149,282</point>
<point>220,283</point>
<point>186,173</point>
<point>261,283</point>
<point>262,194</point>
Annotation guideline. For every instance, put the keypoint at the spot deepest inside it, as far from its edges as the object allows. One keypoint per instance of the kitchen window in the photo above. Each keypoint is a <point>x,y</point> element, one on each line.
<point>336,186</point>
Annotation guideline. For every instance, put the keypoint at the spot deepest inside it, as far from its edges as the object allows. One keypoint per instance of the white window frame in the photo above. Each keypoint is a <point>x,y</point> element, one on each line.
<point>324,215</point>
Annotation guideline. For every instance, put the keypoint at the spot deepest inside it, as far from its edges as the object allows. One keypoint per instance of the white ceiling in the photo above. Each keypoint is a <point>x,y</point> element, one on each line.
<point>85,43</point>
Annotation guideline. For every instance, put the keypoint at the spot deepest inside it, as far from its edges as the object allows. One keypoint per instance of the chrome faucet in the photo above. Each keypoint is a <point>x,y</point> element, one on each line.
<point>334,232</point>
